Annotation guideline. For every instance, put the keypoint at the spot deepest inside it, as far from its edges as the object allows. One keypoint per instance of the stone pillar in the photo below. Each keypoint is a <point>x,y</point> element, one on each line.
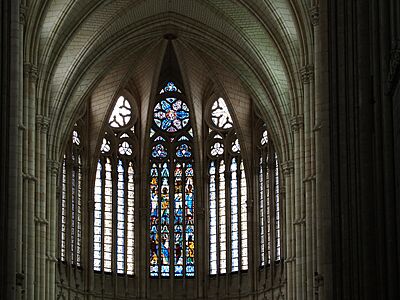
<point>299,205</point>
<point>52,216</point>
<point>307,77</point>
<point>42,124</point>
<point>323,271</point>
<point>30,180</point>
<point>9,177</point>
<point>287,171</point>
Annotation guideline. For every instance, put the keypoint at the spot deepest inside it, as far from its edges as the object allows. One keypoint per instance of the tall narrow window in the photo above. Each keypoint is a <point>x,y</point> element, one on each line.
<point>71,201</point>
<point>269,201</point>
<point>172,193</point>
<point>114,194</point>
<point>227,188</point>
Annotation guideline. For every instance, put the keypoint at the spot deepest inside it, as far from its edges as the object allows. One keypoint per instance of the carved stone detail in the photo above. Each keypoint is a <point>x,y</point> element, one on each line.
<point>22,14</point>
<point>296,122</point>
<point>53,166</point>
<point>307,73</point>
<point>31,71</point>
<point>42,122</point>
<point>288,167</point>
<point>314,15</point>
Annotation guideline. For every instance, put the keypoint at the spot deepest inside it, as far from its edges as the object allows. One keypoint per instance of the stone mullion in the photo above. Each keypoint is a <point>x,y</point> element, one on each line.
<point>300,273</point>
<point>52,214</point>
<point>29,157</point>
<point>287,180</point>
<point>40,217</point>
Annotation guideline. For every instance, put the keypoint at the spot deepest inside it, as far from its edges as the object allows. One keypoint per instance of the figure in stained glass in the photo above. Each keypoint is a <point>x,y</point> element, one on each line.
<point>171,126</point>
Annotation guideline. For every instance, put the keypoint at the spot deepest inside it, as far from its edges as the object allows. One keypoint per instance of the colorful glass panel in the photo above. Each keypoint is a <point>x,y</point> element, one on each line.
<point>189,220</point>
<point>171,115</point>
<point>174,235</point>
<point>159,151</point>
<point>184,150</point>
<point>154,222</point>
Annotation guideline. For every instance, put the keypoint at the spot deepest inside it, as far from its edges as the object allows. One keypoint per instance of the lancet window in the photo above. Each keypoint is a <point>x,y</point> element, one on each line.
<point>114,193</point>
<point>171,187</point>
<point>227,194</point>
<point>269,200</point>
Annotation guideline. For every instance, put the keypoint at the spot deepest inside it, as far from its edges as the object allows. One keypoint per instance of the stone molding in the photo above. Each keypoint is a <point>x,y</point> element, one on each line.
<point>29,177</point>
<point>41,221</point>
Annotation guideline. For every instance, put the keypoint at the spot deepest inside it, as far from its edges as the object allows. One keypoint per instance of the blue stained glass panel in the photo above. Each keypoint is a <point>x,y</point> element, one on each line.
<point>183,151</point>
<point>159,151</point>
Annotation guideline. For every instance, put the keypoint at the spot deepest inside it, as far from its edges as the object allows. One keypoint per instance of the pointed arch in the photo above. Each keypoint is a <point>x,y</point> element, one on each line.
<point>172,190</point>
<point>227,186</point>
<point>114,192</point>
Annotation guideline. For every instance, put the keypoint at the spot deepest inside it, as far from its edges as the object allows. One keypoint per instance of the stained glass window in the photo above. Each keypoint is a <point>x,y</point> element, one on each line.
<point>114,194</point>
<point>172,193</point>
<point>228,241</point>
<point>269,201</point>
<point>71,201</point>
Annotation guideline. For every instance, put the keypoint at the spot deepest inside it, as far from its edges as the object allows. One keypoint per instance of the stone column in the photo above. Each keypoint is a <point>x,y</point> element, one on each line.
<point>307,73</point>
<point>52,215</point>
<point>29,176</point>
<point>299,205</point>
<point>287,171</point>
<point>323,271</point>
<point>42,124</point>
<point>9,178</point>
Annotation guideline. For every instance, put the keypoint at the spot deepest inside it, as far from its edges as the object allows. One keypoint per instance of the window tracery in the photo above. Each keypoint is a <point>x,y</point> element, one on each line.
<point>227,195</point>
<point>114,194</point>
<point>172,232</point>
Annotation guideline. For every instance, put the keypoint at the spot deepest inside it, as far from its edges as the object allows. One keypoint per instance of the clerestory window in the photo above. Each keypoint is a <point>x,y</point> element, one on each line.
<point>172,188</point>
<point>114,193</point>
<point>227,194</point>
<point>269,199</point>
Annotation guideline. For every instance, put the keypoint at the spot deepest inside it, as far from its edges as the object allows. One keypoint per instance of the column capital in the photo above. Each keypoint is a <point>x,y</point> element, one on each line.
<point>288,167</point>
<point>314,15</point>
<point>22,14</point>
<point>42,123</point>
<point>31,70</point>
<point>53,166</point>
<point>296,122</point>
<point>306,73</point>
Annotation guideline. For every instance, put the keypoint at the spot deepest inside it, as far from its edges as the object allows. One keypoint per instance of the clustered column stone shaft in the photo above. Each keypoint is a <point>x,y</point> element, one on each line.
<point>29,176</point>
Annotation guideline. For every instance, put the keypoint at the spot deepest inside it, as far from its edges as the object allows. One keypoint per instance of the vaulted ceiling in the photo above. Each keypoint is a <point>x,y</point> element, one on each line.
<point>93,49</point>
